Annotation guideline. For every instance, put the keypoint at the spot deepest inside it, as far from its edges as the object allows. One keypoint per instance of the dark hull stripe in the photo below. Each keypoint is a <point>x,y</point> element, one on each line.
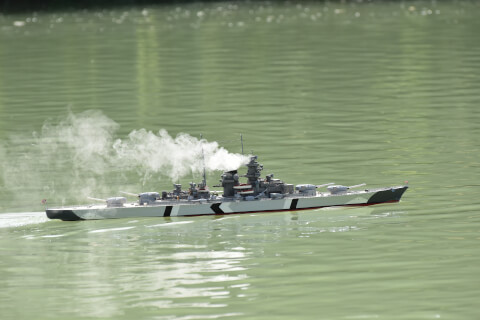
<point>168,211</point>
<point>65,215</point>
<point>216,208</point>
<point>293,205</point>
<point>387,195</point>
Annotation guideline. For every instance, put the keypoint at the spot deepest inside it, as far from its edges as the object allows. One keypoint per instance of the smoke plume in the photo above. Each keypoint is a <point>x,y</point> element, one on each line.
<point>81,156</point>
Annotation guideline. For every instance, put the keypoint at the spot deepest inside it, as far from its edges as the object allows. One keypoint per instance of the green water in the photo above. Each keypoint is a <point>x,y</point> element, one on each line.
<point>323,92</point>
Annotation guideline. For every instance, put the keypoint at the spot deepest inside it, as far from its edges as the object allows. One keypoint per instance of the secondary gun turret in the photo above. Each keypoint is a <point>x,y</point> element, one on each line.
<point>338,188</point>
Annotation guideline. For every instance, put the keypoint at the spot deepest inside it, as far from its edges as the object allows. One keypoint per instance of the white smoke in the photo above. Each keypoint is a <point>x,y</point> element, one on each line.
<point>84,140</point>
<point>174,157</point>
<point>81,156</point>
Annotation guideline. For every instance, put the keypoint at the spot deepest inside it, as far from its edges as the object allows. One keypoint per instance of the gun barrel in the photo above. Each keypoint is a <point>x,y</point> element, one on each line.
<point>129,193</point>
<point>325,184</point>
<point>97,199</point>
<point>358,185</point>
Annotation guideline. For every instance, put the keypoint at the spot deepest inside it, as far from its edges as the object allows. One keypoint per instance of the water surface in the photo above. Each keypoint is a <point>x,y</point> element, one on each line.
<point>330,92</point>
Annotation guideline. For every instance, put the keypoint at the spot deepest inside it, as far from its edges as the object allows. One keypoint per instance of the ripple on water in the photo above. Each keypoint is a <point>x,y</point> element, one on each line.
<point>110,229</point>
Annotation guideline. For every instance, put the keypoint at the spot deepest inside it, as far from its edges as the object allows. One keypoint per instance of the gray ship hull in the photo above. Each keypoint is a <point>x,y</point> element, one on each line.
<point>224,206</point>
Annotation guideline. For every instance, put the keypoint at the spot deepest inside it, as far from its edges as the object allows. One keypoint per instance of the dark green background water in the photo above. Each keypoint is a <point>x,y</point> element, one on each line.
<point>356,92</point>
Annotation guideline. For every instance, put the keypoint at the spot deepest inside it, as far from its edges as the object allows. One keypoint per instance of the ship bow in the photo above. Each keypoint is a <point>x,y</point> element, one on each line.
<point>389,195</point>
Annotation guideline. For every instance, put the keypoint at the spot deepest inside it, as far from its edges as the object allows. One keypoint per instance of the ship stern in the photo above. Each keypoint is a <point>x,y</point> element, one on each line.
<point>62,214</point>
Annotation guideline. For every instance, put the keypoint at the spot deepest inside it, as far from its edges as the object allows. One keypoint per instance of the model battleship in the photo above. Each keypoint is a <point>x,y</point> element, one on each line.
<point>255,195</point>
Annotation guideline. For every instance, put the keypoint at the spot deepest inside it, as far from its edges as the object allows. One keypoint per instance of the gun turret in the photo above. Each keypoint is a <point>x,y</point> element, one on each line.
<point>338,188</point>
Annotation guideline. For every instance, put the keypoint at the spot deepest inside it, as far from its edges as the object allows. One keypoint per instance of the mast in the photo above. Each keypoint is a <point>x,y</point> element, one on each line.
<point>241,140</point>
<point>204,181</point>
